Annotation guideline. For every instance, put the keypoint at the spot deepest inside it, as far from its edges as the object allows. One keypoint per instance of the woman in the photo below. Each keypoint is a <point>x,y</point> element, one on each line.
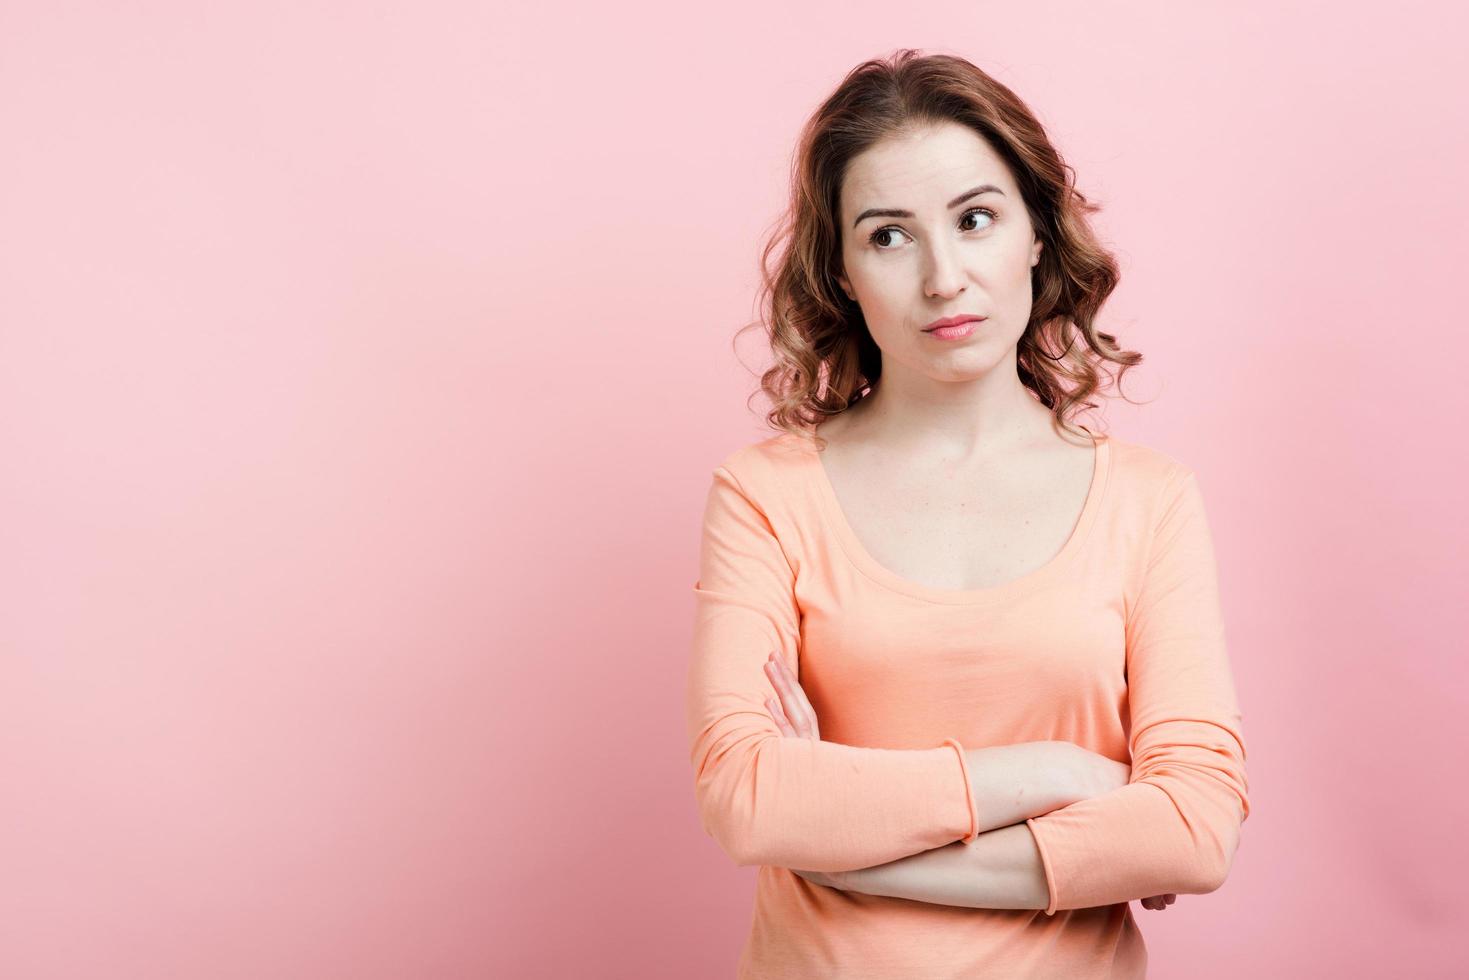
<point>1008,628</point>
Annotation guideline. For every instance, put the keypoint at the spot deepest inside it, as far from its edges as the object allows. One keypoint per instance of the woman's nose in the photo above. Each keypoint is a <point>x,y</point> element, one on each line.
<point>945,273</point>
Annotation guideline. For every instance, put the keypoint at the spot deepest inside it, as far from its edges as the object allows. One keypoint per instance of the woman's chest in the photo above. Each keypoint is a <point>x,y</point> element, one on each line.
<point>967,530</point>
<point>1049,662</point>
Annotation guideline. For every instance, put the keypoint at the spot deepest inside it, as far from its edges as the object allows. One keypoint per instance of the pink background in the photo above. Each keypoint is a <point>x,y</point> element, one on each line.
<point>362,367</point>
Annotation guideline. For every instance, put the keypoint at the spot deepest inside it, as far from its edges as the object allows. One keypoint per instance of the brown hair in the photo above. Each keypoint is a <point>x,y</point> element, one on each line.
<point>825,358</point>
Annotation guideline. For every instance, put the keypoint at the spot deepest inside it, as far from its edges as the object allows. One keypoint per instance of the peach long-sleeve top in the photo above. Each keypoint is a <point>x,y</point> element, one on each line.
<point>1116,644</point>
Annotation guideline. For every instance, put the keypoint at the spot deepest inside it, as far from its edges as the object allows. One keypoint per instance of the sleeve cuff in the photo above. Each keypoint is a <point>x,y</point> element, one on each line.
<point>1046,864</point>
<point>968,791</point>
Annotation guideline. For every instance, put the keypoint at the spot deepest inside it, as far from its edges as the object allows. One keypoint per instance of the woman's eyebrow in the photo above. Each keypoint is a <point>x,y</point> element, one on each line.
<point>899,213</point>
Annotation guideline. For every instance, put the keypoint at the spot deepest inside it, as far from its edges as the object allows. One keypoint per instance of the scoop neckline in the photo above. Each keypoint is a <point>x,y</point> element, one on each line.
<point>857,553</point>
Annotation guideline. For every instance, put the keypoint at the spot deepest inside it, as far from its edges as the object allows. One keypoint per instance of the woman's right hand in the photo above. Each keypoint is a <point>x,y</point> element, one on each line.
<point>791,709</point>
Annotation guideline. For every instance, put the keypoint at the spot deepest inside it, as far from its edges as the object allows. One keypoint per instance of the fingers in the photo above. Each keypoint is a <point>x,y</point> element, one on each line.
<point>773,706</point>
<point>797,696</point>
<point>801,698</point>
<point>797,709</point>
<point>788,704</point>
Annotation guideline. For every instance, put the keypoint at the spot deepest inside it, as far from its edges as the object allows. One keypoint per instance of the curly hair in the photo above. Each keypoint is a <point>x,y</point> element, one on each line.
<point>825,358</point>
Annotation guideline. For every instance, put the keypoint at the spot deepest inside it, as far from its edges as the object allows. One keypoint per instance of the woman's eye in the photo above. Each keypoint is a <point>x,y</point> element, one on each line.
<point>979,211</point>
<point>890,230</point>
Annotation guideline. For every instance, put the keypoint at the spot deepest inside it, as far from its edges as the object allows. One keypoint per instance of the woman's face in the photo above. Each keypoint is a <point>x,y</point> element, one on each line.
<point>933,226</point>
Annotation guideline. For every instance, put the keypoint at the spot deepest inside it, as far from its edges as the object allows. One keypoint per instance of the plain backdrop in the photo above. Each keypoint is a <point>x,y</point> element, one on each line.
<point>363,367</point>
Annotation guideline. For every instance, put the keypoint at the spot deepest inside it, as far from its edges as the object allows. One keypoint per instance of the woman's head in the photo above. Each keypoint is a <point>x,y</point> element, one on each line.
<point>933,225</point>
<point>853,290</point>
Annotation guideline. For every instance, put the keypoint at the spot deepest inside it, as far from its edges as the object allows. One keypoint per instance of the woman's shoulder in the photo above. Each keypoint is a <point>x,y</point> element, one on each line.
<point>1143,464</point>
<point>767,459</point>
<point>1147,481</point>
<point>769,472</point>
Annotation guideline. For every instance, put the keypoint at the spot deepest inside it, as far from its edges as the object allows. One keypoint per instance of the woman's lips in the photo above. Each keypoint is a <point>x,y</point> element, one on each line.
<point>956,331</point>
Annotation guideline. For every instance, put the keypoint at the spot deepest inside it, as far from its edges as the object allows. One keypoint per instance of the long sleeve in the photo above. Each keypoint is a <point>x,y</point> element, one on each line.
<point>792,802</point>
<point>1176,825</point>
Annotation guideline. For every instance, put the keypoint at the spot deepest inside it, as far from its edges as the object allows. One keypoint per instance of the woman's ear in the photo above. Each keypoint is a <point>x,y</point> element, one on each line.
<point>1035,253</point>
<point>846,287</point>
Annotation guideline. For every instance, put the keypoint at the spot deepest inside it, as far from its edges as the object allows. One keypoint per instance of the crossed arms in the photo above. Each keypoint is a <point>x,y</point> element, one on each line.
<point>892,815</point>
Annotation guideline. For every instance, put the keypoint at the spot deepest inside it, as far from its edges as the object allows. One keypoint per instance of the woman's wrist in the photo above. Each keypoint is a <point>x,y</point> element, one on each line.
<point>1012,783</point>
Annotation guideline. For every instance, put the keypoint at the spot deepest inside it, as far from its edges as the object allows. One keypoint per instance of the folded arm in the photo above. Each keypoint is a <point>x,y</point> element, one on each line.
<point>1176,825</point>
<point>999,869</point>
<point>786,802</point>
